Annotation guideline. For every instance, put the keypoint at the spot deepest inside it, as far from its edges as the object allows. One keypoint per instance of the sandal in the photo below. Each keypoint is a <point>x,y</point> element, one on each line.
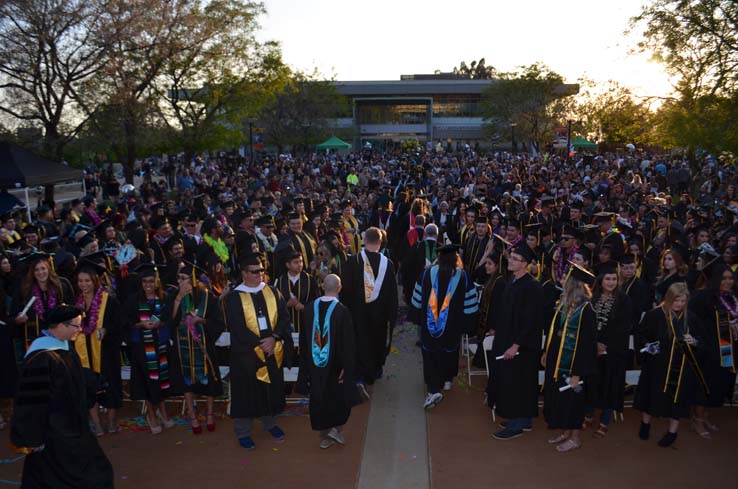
<point>195,424</point>
<point>558,439</point>
<point>210,423</point>
<point>703,432</point>
<point>601,432</point>
<point>568,446</point>
<point>586,423</point>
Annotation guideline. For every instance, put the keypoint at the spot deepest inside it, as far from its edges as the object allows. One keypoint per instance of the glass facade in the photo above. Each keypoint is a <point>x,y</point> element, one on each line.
<point>456,106</point>
<point>391,112</point>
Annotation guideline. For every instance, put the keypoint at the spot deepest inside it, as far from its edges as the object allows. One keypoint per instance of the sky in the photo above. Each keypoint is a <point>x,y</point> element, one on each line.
<point>383,39</point>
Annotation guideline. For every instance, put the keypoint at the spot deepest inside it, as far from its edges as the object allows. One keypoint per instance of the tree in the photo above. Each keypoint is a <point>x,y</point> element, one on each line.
<point>477,70</point>
<point>530,98</point>
<point>49,51</point>
<point>301,113</point>
<point>697,41</point>
<point>210,89</point>
<point>611,115</point>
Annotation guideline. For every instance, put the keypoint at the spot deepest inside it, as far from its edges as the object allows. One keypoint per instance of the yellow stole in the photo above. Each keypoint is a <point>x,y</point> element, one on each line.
<point>252,323</point>
<point>80,344</point>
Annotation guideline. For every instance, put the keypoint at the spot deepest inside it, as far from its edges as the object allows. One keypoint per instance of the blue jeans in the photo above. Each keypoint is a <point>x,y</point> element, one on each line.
<point>517,424</point>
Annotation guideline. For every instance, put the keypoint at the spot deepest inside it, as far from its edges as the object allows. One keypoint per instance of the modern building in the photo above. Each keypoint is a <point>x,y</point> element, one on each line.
<point>437,108</point>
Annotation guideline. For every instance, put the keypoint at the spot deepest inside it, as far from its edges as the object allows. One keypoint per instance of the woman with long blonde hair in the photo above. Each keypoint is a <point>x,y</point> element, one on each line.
<point>670,371</point>
<point>569,358</point>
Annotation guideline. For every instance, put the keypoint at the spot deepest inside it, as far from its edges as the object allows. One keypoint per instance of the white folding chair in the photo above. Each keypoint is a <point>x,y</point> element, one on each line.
<point>471,350</point>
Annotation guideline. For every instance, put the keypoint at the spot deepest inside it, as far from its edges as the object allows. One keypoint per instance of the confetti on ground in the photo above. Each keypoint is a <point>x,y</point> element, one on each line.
<point>275,449</point>
<point>178,443</point>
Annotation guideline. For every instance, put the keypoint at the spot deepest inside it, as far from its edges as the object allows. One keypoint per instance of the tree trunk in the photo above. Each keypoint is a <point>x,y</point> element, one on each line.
<point>130,141</point>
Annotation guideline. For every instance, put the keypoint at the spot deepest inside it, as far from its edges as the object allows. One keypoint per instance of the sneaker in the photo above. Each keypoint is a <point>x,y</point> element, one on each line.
<point>326,443</point>
<point>247,443</point>
<point>431,400</point>
<point>507,434</point>
<point>447,386</point>
<point>645,431</point>
<point>527,429</point>
<point>336,436</point>
<point>362,390</point>
<point>276,433</point>
<point>668,439</point>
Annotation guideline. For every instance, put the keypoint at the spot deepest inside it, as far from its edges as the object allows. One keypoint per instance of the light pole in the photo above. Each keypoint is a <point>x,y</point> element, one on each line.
<point>568,139</point>
<point>250,121</point>
<point>514,144</point>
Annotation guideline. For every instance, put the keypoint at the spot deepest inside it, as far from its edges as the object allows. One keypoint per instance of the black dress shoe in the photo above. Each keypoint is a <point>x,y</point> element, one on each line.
<point>668,439</point>
<point>645,431</point>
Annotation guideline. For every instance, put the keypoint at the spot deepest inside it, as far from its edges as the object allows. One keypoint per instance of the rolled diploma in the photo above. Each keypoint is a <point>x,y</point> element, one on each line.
<point>503,356</point>
<point>28,306</point>
<point>568,386</point>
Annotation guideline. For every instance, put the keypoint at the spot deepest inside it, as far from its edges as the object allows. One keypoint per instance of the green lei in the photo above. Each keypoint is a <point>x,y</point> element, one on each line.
<point>219,247</point>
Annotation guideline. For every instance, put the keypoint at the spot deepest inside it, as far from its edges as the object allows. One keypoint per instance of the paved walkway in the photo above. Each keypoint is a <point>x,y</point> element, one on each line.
<point>396,446</point>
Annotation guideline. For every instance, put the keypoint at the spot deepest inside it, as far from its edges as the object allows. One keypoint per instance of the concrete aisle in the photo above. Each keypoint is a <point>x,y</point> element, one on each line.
<point>396,445</point>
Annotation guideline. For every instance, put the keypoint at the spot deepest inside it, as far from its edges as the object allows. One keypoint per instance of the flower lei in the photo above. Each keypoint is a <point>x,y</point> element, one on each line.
<point>562,265</point>
<point>89,324</point>
<point>38,306</point>
<point>731,308</point>
<point>219,247</point>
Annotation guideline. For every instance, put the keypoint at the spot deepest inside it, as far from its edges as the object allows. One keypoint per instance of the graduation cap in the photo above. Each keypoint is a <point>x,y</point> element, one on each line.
<point>627,259</point>
<point>62,313</point>
<point>97,257</point>
<point>449,248</point>
<point>608,267</point>
<point>569,230</point>
<point>61,258</point>
<point>90,266</point>
<point>506,242</point>
<point>267,200</point>
<point>103,226</point>
<point>35,257</point>
<point>603,217</point>
<point>158,222</point>
<point>586,253</point>
<point>512,221</point>
<point>267,220</point>
<point>524,250</point>
<point>293,215</point>
<point>577,204</point>
<point>133,225</point>
<point>31,229</point>
<point>85,240</point>
<point>249,260</point>
<point>580,273</point>
<point>146,270</point>
<point>533,229</point>
<point>547,200</point>
<point>680,249</point>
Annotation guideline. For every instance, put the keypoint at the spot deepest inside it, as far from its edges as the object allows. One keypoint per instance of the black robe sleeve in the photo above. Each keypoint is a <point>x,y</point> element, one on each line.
<point>530,315</point>
<point>586,353</point>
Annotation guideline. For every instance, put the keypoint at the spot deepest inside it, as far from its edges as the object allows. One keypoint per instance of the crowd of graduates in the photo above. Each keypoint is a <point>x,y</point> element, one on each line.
<point>585,267</point>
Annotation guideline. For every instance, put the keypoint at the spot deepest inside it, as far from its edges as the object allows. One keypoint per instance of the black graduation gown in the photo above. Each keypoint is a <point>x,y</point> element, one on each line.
<point>640,297</point>
<point>662,286</point>
<point>413,266</point>
<point>107,382</point>
<point>512,388</point>
<point>606,386</point>
<point>250,397</point>
<point>143,387</point>
<point>565,410</point>
<point>473,252</point>
<point>8,365</point>
<point>212,330</point>
<point>330,400</point>
<point>24,334</point>
<point>720,380</point>
<point>441,353</point>
<point>51,409</point>
<point>305,290</point>
<point>374,322</point>
<point>294,241</point>
<point>650,396</point>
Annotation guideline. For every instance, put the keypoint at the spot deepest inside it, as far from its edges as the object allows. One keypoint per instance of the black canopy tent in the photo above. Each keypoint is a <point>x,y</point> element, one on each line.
<point>21,169</point>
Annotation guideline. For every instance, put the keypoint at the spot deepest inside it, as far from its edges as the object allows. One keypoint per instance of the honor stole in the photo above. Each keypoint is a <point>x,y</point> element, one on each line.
<point>678,356</point>
<point>89,347</point>
<point>189,348</point>
<point>571,325</point>
<point>321,338</point>
<point>252,323</point>
<point>725,339</point>
<point>436,316</point>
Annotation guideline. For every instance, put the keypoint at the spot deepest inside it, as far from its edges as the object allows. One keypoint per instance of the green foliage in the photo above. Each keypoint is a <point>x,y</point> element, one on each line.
<point>611,115</point>
<point>302,112</point>
<point>476,70</point>
<point>531,98</point>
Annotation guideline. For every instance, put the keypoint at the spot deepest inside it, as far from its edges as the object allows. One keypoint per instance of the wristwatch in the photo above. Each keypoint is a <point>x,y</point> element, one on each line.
<point>276,337</point>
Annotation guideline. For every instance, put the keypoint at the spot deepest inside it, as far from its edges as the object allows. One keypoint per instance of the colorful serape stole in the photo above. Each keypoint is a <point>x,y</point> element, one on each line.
<point>157,362</point>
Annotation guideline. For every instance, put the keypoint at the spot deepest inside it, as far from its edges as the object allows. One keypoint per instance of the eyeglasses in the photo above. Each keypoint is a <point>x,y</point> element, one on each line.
<point>255,272</point>
<point>74,325</point>
<point>565,238</point>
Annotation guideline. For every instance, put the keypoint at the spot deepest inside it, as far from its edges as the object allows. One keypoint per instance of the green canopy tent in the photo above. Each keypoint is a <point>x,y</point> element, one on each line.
<point>581,143</point>
<point>333,142</point>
